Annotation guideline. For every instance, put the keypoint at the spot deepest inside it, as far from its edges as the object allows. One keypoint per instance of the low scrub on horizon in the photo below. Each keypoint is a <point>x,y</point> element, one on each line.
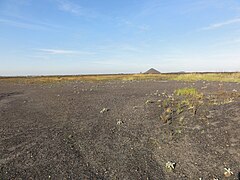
<point>222,77</point>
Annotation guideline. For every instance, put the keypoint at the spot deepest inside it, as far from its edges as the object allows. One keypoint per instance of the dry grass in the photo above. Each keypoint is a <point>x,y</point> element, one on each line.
<point>50,79</point>
<point>189,92</point>
<point>225,77</point>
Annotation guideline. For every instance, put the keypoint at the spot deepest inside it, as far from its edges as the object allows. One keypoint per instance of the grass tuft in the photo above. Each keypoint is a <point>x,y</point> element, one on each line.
<point>186,92</point>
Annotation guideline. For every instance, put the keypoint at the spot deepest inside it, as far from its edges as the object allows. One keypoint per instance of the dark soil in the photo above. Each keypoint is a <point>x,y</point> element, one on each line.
<point>56,131</point>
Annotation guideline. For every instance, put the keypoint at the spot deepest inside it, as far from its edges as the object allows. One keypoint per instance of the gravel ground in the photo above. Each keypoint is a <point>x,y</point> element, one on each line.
<point>113,130</point>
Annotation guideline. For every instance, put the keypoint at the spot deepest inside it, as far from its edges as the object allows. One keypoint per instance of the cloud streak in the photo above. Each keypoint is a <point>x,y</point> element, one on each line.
<point>70,7</point>
<point>225,43</point>
<point>24,25</point>
<point>222,24</point>
<point>130,24</point>
<point>75,9</point>
<point>64,52</point>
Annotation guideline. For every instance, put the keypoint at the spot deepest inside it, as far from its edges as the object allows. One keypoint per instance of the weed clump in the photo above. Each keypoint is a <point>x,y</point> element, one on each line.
<point>186,92</point>
<point>181,101</point>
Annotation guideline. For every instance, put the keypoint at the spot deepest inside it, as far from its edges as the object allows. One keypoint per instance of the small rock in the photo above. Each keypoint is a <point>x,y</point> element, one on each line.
<point>149,101</point>
<point>227,172</point>
<point>181,118</point>
<point>104,110</point>
<point>170,165</point>
<point>70,136</point>
<point>119,122</point>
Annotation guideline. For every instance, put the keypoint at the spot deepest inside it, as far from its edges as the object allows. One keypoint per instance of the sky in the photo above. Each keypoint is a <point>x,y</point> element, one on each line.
<point>54,37</point>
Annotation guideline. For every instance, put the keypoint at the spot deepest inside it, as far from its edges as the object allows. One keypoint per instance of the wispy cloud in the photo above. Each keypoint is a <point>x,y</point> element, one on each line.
<point>24,25</point>
<point>202,5</point>
<point>221,24</point>
<point>13,13</point>
<point>119,47</point>
<point>64,52</point>
<point>69,7</point>
<point>227,43</point>
<point>75,9</point>
<point>131,24</point>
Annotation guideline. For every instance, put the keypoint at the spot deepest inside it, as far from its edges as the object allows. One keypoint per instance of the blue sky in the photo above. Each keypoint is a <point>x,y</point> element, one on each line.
<point>41,37</point>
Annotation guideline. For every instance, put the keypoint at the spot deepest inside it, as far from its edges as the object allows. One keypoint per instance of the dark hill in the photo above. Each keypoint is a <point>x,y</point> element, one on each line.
<point>152,71</point>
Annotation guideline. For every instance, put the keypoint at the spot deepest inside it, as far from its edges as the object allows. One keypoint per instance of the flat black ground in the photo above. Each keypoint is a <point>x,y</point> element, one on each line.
<point>56,131</point>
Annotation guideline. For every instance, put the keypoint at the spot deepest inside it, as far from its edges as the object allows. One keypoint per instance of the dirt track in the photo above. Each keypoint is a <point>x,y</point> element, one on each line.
<point>56,131</point>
